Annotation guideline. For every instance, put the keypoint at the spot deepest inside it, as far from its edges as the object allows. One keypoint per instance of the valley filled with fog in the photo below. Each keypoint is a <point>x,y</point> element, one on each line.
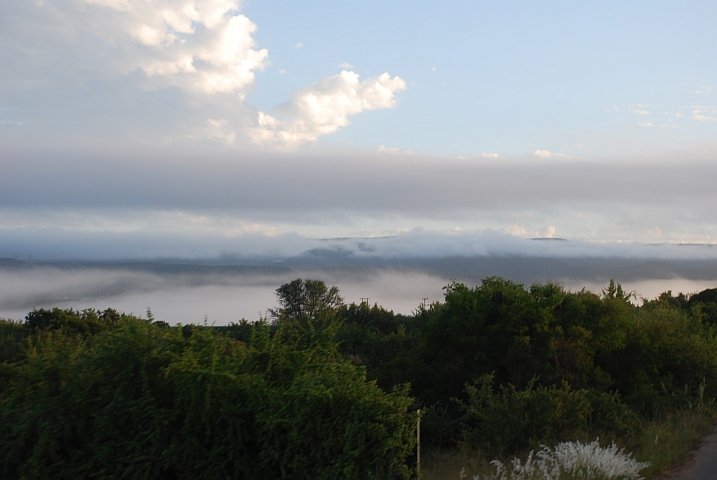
<point>221,294</point>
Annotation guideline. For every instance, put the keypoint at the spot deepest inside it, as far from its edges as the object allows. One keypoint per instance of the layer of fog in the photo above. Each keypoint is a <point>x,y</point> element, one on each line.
<point>189,297</point>
<point>191,294</point>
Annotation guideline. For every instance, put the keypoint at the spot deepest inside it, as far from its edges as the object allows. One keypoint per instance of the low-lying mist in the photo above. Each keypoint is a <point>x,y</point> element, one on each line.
<point>223,294</point>
<point>189,296</point>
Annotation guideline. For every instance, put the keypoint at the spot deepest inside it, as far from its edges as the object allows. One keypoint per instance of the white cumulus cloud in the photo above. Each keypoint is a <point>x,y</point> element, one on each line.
<point>201,56</point>
<point>394,150</point>
<point>324,107</point>
<point>220,130</point>
<point>519,231</point>
<point>546,154</point>
<point>549,232</point>
<point>699,114</point>
<point>200,46</point>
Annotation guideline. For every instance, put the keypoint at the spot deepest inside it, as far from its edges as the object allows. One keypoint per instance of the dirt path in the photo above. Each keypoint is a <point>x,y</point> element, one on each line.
<point>702,465</point>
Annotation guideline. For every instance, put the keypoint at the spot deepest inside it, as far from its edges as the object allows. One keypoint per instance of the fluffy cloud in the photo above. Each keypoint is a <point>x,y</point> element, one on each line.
<point>546,154</point>
<point>394,150</point>
<point>199,46</point>
<point>324,107</point>
<point>698,113</point>
<point>199,52</point>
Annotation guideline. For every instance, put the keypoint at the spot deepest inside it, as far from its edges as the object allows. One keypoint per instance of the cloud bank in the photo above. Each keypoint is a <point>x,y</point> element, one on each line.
<point>165,203</point>
<point>372,182</point>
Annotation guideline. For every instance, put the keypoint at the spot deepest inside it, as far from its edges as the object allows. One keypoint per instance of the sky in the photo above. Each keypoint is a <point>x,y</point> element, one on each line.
<point>200,129</point>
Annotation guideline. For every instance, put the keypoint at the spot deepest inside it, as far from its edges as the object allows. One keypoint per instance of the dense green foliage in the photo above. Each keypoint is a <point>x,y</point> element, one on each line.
<point>327,390</point>
<point>599,363</point>
<point>124,398</point>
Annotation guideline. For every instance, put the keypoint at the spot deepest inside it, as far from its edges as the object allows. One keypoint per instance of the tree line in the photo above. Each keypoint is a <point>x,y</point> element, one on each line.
<point>320,389</point>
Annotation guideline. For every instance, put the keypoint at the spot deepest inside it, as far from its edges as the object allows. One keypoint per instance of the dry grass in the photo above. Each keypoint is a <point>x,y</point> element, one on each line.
<point>664,443</point>
<point>448,464</point>
<point>565,461</point>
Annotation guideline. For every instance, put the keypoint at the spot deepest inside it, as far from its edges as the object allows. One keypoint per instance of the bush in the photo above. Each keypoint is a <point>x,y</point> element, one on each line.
<point>88,321</point>
<point>137,400</point>
<point>440,427</point>
<point>12,338</point>
<point>511,420</point>
<point>612,418</point>
<point>669,353</point>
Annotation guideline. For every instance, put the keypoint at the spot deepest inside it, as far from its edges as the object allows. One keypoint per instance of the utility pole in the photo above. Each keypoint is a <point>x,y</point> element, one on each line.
<point>418,445</point>
<point>365,300</point>
<point>424,302</point>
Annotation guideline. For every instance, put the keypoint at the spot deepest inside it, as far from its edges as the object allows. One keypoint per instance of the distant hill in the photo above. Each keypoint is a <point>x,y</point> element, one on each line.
<point>14,264</point>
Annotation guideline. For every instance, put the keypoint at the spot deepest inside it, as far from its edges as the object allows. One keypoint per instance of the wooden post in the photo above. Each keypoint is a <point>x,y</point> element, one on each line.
<point>418,445</point>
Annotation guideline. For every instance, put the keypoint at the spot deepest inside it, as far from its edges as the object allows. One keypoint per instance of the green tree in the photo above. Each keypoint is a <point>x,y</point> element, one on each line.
<point>706,302</point>
<point>305,300</point>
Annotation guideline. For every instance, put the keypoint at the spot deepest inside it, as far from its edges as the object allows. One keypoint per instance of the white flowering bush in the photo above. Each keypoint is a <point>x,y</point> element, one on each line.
<point>569,461</point>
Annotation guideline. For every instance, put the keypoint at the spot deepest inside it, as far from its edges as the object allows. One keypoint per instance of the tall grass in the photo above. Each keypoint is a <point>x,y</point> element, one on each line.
<point>666,442</point>
<point>568,461</point>
<point>662,444</point>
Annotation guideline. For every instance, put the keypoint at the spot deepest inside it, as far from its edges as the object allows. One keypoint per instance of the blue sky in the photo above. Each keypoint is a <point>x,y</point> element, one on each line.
<point>135,128</point>
<point>510,77</point>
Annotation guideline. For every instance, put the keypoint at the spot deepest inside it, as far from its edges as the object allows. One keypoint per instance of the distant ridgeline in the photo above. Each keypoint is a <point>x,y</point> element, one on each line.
<point>324,390</point>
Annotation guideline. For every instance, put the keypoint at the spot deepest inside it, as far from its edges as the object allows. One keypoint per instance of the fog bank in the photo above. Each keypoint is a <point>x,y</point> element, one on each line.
<point>224,294</point>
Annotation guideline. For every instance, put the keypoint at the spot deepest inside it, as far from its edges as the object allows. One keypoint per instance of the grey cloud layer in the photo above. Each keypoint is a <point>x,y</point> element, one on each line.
<point>243,182</point>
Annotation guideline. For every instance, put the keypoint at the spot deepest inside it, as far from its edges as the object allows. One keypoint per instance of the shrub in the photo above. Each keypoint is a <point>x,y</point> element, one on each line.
<point>137,400</point>
<point>612,418</point>
<point>510,420</point>
<point>12,338</point>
